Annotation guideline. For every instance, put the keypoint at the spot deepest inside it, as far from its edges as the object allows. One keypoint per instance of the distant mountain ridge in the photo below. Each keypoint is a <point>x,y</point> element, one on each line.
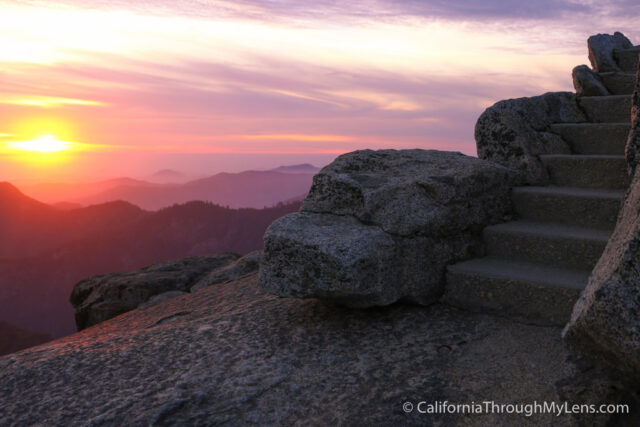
<point>168,176</point>
<point>249,189</point>
<point>45,251</point>
<point>301,168</point>
<point>29,227</point>
<point>13,338</point>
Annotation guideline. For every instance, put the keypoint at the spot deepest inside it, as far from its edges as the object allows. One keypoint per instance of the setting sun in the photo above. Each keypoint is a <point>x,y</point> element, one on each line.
<point>43,144</point>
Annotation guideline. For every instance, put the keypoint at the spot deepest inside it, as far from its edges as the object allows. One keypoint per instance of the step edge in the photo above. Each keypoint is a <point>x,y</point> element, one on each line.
<point>606,97</point>
<point>556,230</point>
<point>576,192</point>
<point>578,282</point>
<point>590,124</point>
<point>583,156</point>
<point>616,73</point>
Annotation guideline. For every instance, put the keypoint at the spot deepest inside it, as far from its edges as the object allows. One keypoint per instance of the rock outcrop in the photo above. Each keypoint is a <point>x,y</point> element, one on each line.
<point>588,83</point>
<point>515,132</point>
<point>605,324</point>
<point>601,51</point>
<point>102,297</point>
<point>632,149</point>
<point>381,226</point>
<point>248,264</point>
<point>231,354</point>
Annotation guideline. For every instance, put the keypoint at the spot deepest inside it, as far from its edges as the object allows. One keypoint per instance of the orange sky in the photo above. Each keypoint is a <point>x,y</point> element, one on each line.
<point>204,86</point>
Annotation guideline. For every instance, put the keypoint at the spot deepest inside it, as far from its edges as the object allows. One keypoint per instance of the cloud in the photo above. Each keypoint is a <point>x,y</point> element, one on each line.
<point>324,9</point>
<point>310,109</point>
<point>496,9</point>
<point>47,102</point>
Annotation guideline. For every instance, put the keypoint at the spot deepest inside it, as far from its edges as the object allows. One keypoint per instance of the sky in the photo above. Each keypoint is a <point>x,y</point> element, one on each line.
<point>103,88</point>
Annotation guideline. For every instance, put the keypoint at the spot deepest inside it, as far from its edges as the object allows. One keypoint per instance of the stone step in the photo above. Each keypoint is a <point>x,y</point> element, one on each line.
<point>539,294</point>
<point>627,59</point>
<point>554,245</point>
<point>607,109</point>
<point>587,171</point>
<point>594,138</point>
<point>619,83</point>
<point>582,207</point>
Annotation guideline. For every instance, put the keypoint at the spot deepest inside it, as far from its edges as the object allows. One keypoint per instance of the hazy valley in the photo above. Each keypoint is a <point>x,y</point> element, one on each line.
<point>46,249</point>
<point>248,189</point>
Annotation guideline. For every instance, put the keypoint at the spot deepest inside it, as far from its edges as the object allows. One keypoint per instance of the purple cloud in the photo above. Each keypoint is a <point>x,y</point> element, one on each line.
<point>320,9</point>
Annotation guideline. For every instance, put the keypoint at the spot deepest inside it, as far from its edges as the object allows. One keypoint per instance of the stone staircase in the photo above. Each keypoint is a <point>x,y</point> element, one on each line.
<point>536,266</point>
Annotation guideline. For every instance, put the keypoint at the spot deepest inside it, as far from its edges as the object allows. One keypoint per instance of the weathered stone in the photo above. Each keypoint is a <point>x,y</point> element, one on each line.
<point>381,226</point>
<point>309,255</point>
<point>632,149</point>
<point>232,355</point>
<point>155,300</point>
<point>601,47</point>
<point>102,297</point>
<point>605,324</point>
<point>515,132</point>
<point>587,83</point>
<point>248,264</point>
<point>409,192</point>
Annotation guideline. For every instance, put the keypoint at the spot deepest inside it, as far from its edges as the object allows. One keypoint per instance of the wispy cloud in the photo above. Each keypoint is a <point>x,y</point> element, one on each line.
<point>273,76</point>
<point>320,9</point>
<point>47,102</point>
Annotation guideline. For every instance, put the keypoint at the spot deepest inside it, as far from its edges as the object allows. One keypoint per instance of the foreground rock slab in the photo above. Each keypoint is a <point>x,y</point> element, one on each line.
<point>102,297</point>
<point>380,226</point>
<point>231,354</point>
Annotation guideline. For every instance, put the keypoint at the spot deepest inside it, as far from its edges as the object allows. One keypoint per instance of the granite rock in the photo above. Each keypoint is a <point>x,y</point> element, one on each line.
<point>248,264</point>
<point>515,132</point>
<point>231,354</point>
<point>632,149</point>
<point>601,47</point>
<point>102,297</point>
<point>157,299</point>
<point>413,192</point>
<point>587,83</point>
<point>605,323</point>
<point>381,226</point>
<point>310,255</point>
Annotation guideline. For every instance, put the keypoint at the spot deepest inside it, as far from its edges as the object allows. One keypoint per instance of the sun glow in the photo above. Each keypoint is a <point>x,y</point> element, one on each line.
<point>43,144</point>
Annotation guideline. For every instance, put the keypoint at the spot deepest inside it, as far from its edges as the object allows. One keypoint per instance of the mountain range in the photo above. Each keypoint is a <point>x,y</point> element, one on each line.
<point>14,339</point>
<point>248,189</point>
<point>45,250</point>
